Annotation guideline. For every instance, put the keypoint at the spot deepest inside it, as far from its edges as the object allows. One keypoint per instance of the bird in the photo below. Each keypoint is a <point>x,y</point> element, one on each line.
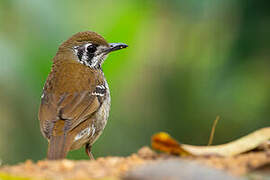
<point>75,101</point>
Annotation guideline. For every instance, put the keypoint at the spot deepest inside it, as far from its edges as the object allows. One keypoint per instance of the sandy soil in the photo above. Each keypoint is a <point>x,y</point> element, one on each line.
<point>120,167</point>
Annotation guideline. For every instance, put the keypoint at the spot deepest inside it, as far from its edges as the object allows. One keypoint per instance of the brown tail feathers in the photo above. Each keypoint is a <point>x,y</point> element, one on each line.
<point>59,147</point>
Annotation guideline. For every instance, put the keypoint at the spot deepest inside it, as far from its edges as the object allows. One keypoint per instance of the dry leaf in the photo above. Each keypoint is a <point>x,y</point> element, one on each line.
<point>163,142</point>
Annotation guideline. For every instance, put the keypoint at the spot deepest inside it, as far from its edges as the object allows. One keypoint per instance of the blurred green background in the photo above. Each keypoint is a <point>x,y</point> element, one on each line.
<point>187,62</point>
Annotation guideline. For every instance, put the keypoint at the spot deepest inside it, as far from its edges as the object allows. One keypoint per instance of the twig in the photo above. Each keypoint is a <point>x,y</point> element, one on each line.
<point>213,131</point>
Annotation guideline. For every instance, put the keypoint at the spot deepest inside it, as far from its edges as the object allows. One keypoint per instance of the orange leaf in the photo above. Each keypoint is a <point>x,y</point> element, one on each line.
<point>165,143</point>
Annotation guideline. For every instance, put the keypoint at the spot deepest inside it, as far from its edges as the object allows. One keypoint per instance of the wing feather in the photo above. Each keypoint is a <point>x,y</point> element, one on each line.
<point>74,108</point>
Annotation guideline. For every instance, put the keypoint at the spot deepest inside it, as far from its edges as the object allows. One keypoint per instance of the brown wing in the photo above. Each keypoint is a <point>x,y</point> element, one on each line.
<point>71,108</point>
<point>68,102</point>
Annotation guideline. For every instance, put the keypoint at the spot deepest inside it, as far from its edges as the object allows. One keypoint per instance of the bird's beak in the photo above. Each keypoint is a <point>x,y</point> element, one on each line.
<point>115,47</point>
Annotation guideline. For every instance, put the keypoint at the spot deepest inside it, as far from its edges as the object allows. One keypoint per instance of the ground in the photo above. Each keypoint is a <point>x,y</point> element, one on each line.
<point>146,164</point>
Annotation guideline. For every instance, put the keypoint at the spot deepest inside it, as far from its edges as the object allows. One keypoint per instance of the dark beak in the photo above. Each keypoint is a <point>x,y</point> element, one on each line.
<point>115,47</point>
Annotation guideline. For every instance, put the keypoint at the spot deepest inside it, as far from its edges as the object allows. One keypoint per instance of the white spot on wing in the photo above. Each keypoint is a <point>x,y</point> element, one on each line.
<point>85,132</point>
<point>93,130</point>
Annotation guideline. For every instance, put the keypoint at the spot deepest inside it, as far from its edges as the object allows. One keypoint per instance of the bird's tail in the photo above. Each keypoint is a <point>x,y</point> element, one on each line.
<point>59,147</point>
<point>60,141</point>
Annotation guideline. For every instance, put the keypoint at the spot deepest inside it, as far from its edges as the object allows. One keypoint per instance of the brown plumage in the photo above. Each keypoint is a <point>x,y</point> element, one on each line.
<point>76,99</point>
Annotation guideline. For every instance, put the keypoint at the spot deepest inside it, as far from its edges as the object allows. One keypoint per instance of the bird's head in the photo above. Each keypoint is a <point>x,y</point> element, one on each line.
<point>89,48</point>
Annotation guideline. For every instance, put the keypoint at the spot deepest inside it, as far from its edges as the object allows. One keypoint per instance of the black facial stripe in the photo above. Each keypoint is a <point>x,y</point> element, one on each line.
<point>80,53</point>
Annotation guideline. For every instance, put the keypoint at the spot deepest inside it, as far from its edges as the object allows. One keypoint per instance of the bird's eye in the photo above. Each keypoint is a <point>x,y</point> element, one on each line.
<point>91,48</point>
